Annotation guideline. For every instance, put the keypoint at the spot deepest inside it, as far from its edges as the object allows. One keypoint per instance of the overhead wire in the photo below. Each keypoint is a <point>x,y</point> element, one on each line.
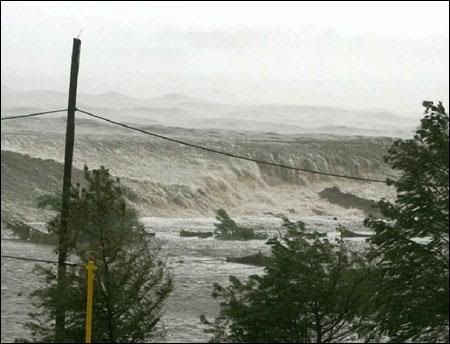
<point>32,114</point>
<point>39,260</point>
<point>196,146</point>
<point>232,155</point>
<point>207,149</point>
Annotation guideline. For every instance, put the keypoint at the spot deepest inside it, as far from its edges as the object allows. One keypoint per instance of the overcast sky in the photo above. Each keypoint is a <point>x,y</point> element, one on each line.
<point>354,55</point>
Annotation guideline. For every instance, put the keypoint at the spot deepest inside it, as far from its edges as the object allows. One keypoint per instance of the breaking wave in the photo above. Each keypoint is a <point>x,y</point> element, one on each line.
<point>171,179</point>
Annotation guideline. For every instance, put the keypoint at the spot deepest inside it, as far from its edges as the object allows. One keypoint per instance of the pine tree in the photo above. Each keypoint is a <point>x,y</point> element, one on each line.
<point>410,245</point>
<point>131,282</point>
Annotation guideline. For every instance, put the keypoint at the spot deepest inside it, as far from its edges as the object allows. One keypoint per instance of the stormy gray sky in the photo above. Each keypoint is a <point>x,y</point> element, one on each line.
<point>367,55</point>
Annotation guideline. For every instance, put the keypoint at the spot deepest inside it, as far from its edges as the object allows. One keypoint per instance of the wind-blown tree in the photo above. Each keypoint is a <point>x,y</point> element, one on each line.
<point>228,229</point>
<point>313,290</point>
<point>410,245</point>
<point>131,282</point>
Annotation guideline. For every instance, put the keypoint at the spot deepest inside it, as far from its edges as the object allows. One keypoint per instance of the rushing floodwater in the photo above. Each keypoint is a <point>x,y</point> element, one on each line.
<point>195,263</point>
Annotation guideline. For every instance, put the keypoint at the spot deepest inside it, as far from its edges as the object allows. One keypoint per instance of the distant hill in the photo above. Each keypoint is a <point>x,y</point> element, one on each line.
<point>48,99</point>
<point>175,97</point>
<point>109,100</point>
<point>183,110</point>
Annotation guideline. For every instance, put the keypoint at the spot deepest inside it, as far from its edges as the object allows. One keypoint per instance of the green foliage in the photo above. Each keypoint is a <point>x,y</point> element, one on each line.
<point>49,201</point>
<point>131,282</point>
<point>313,290</point>
<point>228,229</point>
<point>410,245</point>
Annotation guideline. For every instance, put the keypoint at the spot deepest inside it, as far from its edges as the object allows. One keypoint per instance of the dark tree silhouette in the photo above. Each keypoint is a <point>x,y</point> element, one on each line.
<point>410,245</point>
<point>131,282</point>
<point>313,290</point>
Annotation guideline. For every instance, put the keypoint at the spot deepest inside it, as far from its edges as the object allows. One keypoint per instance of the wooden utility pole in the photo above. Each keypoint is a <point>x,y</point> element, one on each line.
<point>67,181</point>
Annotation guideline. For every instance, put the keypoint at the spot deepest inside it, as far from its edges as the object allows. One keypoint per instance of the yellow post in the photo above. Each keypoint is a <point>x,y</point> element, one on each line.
<point>90,268</point>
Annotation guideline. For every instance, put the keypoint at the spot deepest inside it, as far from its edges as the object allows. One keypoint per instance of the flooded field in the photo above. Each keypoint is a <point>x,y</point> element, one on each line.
<point>195,264</point>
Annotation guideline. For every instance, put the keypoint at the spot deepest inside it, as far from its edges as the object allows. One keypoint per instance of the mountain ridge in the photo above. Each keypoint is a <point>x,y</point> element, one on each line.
<point>179,109</point>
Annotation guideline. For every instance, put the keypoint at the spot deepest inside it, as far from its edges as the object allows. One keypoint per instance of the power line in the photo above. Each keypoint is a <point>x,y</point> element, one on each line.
<point>32,114</point>
<point>232,155</point>
<point>11,239</point>
<point>39,260</point>
<point>211,150</point>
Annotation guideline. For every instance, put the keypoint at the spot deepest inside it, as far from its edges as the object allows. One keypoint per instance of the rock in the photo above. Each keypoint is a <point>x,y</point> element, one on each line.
<point>349,234</point>
<point>202,235</point>
<point>257,259</point>
<point>347,200</point>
